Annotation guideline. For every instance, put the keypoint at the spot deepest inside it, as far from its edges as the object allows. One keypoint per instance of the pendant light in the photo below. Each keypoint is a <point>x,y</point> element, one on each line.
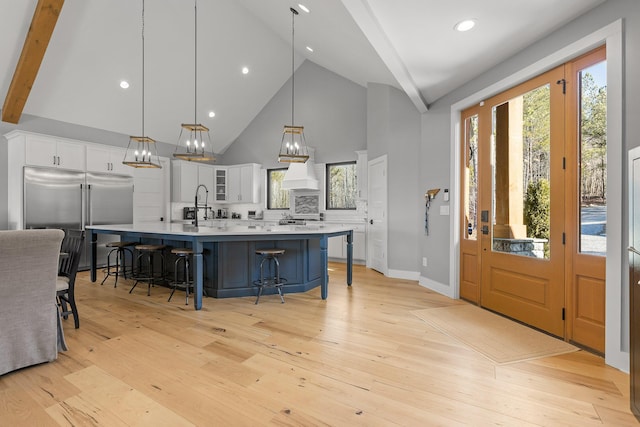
<point>293,147</point>
<point>194,141</point>
<point>140,155</point>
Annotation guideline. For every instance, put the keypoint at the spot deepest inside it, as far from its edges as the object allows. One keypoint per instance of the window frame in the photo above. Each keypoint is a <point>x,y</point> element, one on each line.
<point>269,171</point>
<point>327,184</point>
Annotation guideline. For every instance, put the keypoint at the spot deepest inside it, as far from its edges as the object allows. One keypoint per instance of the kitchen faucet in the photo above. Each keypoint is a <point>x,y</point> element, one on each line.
<point>206,200</point>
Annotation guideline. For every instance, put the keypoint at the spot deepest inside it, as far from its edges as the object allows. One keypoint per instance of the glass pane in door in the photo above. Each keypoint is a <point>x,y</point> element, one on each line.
<point>521,174</point>
<point>471,177</point>
<point>593,159</point>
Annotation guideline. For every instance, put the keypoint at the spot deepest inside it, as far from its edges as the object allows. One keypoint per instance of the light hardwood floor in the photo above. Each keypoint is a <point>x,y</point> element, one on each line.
<point>358,358</point>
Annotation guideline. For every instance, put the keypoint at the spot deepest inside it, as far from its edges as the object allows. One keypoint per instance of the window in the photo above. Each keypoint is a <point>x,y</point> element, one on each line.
<point>341,185</point>
<point>277,198</point>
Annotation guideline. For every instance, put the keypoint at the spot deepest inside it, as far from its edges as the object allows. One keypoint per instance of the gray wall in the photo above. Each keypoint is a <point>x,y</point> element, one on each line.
<point>393,128</point>
<point>331,108</point>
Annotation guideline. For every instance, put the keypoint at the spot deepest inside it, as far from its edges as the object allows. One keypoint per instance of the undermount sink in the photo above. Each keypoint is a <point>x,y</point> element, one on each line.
<point>291,221</point>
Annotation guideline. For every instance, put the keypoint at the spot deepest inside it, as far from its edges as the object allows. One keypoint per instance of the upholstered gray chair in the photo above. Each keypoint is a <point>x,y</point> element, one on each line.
<point>29,317</point>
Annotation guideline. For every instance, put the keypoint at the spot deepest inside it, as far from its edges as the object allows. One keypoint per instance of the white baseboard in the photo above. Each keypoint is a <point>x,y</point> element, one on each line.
<point>438,287</point>
<point>403,274</point>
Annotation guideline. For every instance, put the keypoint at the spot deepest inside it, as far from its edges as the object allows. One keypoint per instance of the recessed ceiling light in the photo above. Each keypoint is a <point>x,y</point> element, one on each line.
<point>245,70</point>
<point>212,114</point>
<point>465,25</point>
<point>303,7</point>
<point>124,84</point>
<point>309,48</point>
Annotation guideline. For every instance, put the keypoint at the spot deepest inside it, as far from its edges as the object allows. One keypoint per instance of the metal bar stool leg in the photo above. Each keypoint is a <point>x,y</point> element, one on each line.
<point>278,284</point>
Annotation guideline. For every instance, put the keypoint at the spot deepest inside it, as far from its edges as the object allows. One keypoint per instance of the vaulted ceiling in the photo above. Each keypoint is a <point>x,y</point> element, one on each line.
<point>409,44</point>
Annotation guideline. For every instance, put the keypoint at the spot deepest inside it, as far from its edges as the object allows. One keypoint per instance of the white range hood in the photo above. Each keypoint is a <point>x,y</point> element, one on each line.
<point>301,176</point>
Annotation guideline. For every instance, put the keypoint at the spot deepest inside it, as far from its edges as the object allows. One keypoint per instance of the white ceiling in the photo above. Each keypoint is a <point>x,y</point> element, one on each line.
<point>409,44</point>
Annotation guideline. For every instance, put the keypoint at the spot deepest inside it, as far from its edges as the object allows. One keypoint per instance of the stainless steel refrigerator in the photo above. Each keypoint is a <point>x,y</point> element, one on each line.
<point>55,198</point>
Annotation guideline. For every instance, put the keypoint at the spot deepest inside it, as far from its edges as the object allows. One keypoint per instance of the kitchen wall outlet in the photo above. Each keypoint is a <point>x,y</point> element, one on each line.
<point>444,210</point>
<point>424,261</point>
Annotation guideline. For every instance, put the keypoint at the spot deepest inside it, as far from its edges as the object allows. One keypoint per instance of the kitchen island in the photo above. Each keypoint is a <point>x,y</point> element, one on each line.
<point>229,253</point>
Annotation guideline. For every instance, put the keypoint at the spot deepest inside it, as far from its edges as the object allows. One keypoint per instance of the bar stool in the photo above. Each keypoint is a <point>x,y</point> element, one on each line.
<point>268,255</point>
<point>183,255</point>
<point>121,249</point>
<point>151,276</point>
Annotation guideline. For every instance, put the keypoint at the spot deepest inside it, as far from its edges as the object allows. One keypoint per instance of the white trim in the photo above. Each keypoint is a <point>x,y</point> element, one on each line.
<point>438,287</point>
<point>615,343</point>
<point>612,36</point>
<point>364,17</point>
<point>403,274</point>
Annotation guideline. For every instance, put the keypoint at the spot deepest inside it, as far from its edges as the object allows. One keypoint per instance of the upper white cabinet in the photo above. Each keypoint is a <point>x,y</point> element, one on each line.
<point>243,183</point>
<point>362,174</point>
<point>186,177</point>
<point>101,158</point>
<point>185,181</point>
<point>205,177</point>
<point>220,186</point>
<point>41,150</point>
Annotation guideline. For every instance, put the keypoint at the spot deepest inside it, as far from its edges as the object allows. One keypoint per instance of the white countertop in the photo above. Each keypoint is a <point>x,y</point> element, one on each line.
<point>210,229</point>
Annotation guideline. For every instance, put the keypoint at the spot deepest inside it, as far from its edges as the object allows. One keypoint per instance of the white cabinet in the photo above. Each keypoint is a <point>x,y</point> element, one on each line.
<point>220,186</point>
<point>52,152</point>
<point>337,246</point>
<point>243,183</point>
<point>186,177</point>
<point>101,158</point>
<point>205,177</point>
<point>185,181</point>
<point>362,168</point>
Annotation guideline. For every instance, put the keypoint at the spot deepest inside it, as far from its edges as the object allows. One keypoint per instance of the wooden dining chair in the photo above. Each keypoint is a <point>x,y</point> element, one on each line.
<point>72,246</point>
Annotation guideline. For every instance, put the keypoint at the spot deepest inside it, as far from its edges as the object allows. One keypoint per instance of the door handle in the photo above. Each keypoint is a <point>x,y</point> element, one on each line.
<point>371,221</point>
<point>89,213</point>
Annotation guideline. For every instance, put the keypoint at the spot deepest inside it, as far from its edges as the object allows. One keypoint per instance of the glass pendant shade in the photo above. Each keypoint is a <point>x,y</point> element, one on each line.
<point>195,142</point>
<point>139,154</point>
<point>293,147</point>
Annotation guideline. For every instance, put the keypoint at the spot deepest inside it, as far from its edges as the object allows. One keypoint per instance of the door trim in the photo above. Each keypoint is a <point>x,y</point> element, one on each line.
<point>617,315</point>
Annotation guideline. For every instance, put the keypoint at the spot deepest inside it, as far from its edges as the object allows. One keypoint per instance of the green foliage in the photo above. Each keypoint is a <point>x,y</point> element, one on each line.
<point>537,208</point>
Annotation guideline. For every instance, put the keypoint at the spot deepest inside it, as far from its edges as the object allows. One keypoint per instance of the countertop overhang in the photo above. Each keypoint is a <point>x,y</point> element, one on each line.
<point>230,230</point>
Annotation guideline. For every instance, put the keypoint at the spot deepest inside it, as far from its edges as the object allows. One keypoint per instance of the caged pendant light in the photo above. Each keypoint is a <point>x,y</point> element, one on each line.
<point>140,155</point>
<point>194,141</point>
<point>293,147</point>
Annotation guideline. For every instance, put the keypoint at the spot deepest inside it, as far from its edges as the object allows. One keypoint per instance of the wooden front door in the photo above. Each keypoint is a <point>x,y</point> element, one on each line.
<point>533,233</point>
<point>522,203</point>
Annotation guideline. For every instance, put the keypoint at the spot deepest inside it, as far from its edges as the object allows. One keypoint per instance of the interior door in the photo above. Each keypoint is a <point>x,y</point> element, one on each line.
<point>522,202</point>
<point>634,278</point>
<point>377,212</point>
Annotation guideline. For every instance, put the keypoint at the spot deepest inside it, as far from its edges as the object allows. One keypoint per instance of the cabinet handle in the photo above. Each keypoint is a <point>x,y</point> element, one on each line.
<point>58,160</point>
<point>54,160</point>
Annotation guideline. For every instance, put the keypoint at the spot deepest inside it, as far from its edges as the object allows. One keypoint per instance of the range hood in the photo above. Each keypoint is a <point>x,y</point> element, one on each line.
<point>301,176</point>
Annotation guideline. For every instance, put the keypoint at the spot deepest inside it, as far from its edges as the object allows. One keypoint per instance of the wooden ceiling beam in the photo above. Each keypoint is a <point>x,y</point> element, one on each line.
<point>42,25</point>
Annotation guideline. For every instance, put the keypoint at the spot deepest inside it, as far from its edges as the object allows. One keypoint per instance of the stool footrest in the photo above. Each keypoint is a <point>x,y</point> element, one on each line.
<point>270,283</point>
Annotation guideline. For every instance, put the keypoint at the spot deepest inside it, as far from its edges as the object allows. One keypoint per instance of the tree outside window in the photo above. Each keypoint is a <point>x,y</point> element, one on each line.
<point>277,197</point>
<point>341,185</point>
